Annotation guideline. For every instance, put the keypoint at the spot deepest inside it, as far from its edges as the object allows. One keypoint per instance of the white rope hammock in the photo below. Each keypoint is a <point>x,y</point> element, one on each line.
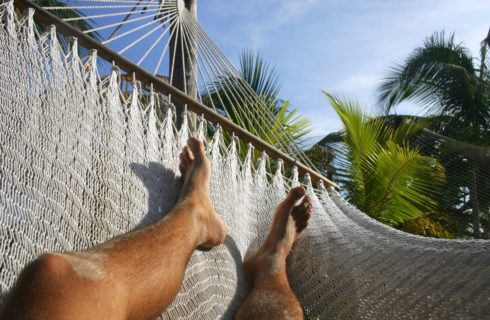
<point>81,162</point>
<point>151,33</point>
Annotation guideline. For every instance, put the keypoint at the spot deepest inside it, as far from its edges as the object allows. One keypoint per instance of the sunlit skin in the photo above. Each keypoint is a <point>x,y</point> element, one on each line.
<point>271,296</point>
<point>137,275</point>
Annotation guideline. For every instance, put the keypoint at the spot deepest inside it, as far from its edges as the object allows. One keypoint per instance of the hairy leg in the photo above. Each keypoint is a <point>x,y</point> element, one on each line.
<point>134,276</point>
<point>271,296</point>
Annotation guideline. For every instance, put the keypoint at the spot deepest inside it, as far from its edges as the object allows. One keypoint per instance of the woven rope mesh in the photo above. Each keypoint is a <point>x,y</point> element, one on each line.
<point>82,162</point>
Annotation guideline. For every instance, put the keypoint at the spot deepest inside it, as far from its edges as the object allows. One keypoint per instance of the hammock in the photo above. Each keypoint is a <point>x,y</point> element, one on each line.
<point>82,162</point>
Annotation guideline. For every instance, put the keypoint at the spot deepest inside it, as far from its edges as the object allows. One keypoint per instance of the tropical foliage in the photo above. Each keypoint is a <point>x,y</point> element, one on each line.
<point>378,170</point>
<point>442,77</point>
<point>252,101</point>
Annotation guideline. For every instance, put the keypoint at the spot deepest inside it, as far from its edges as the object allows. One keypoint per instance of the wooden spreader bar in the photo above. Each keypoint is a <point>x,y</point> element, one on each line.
<point>178,96</point>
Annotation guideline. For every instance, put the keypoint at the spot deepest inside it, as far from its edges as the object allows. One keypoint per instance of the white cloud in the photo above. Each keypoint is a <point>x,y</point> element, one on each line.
<point>278,14</point>
<point>292,11</point>
<point>356,82</point>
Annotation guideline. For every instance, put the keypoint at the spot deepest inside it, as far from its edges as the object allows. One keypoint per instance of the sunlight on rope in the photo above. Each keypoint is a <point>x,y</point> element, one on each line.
<point>83,161</point>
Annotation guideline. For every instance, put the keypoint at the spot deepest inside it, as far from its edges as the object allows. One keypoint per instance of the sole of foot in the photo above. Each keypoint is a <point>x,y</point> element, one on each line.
<point>290,219</point>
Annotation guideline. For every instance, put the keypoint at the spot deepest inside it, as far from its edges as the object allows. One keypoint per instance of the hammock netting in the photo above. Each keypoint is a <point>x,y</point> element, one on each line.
<point>82,162</point>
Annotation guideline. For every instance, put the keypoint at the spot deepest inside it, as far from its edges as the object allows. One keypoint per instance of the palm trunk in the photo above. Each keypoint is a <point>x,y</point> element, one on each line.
<point>183,61</point>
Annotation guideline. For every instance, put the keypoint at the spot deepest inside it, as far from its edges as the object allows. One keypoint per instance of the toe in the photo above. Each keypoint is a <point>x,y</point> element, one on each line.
<point>197,147</point>
<point>184,161</point>
<point>301,226</point>
<point>301,214</point>
<point>295,194</point>
<point>304,217</point>
<point>187,154</point>
<point>298,211</point>
<point>302,208</point>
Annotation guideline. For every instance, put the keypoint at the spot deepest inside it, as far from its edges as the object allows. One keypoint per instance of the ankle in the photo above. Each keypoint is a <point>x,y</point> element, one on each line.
<point>264,264</point>
<point>193,204</point>
<point>278,248</point>
<point>195,196</point>
<point>209,228</point>
<point>202,221</point>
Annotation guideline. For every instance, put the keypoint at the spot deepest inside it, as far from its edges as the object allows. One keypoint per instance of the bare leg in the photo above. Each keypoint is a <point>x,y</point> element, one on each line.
<point>131,277</point>
<point>271,296</point>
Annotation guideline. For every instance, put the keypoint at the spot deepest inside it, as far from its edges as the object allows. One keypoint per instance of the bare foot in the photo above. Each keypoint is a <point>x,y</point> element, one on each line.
<point>290,219</point>
<point>195,168</point>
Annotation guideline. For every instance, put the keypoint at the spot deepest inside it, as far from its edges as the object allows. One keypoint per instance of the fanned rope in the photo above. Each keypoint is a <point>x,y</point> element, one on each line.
<point>175,95</point>
<point>150,42</point>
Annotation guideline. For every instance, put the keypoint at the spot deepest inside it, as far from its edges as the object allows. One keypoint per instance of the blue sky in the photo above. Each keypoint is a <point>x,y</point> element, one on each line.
<point>342,46</point>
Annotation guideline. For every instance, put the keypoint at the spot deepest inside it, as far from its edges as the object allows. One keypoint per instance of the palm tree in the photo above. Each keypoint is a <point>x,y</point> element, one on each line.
<point>259,110</point>
<point>442,77</point>
<point>378,170</point>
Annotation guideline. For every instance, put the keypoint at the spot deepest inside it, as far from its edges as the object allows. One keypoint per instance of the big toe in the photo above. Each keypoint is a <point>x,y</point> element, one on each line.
<point>186,156</point>
<point>302,213</point>
<point>295,194</point>
<point>197,148</point>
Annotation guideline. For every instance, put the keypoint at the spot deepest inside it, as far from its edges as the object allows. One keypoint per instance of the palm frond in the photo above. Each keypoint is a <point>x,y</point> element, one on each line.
<point>425,76</point>
<point>360,138</point>
<point>261,112</point>
<point>380,172</point>
<point>332,137</point>
<point>402,184</point>
<point>263,78</point>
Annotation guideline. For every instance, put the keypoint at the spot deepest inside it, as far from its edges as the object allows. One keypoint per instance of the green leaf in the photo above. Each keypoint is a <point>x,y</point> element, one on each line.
<point>381,174</point>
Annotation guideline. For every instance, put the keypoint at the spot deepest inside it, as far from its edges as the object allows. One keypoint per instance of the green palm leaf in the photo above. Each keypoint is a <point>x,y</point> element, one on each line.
<point>441,77</point>
<point>260,111</point>
<point>381,174</point>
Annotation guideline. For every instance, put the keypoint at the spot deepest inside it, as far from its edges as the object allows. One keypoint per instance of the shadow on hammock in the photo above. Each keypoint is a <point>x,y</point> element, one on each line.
<point>242,287</point>
<point>163,187</point>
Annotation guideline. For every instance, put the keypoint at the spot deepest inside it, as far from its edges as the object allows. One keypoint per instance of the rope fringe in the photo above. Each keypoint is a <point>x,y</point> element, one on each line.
<point>84,160</point>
